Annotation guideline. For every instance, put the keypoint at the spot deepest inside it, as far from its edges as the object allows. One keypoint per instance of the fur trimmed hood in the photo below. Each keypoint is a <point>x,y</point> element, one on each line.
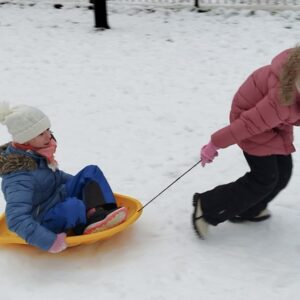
<point>287,65</point>
<point>12,162</point>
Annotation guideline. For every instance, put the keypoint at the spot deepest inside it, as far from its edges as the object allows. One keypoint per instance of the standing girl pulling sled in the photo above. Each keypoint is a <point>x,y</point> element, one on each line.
<point>263,113</point>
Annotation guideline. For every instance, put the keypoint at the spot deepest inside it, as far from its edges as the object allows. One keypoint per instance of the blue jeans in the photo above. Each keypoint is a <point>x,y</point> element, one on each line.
<point>71,212</point>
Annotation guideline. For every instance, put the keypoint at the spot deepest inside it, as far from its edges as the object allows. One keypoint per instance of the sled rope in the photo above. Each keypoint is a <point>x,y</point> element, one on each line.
<point>170,185</point>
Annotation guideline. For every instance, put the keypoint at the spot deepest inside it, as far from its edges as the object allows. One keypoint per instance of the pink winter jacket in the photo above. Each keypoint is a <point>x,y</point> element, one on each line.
<point>259,124</point>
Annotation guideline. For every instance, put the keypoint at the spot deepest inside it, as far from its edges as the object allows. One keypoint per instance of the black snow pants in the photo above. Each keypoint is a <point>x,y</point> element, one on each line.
<point>251,193</point>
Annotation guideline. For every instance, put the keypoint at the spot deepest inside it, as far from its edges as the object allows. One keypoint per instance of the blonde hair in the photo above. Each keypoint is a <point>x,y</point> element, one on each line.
<point>290,71</point>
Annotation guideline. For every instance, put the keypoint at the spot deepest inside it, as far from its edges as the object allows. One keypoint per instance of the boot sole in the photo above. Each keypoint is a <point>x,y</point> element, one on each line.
<point>115,218</point>
<point>254,220</point>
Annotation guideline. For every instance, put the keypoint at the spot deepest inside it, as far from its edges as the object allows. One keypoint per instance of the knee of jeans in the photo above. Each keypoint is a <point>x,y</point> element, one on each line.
<point>93,169</point>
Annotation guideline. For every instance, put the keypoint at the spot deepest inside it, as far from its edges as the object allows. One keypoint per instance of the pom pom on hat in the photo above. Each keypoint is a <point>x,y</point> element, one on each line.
<point>23,122</point>
<point>4,111</point>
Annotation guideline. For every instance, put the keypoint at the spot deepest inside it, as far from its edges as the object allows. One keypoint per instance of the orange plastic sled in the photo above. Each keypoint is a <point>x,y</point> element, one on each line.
<point>133,206</point>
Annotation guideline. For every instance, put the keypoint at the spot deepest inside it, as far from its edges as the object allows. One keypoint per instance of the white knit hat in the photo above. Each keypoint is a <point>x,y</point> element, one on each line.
<point>23,122</point>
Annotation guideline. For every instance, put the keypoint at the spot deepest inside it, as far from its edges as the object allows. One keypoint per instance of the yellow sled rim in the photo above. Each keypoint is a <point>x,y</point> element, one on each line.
<point>134,212</point>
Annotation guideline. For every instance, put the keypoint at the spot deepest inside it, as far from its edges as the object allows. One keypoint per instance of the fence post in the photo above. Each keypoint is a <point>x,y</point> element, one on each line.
<point>100,11</point>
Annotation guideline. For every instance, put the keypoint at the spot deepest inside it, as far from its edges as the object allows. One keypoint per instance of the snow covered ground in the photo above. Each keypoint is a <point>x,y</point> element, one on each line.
<point>140,100</point>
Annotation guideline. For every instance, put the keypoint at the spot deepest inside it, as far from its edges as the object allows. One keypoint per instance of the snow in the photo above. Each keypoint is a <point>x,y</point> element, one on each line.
<point>140,100</point>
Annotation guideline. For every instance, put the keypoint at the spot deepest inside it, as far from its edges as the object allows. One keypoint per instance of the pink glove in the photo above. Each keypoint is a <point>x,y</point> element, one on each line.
<point>59,243</point>
<point>208,153</point>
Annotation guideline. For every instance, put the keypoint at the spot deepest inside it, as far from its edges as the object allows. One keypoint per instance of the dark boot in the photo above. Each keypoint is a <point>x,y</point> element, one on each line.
<point>92,195</point>
<point>100,215</point>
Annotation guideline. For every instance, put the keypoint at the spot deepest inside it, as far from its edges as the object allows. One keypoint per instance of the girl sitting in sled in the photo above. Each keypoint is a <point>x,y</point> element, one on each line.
<point>42,201</point>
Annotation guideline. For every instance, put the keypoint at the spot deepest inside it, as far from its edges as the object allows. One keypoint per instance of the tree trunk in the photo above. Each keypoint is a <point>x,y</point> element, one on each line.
<point>100,14</point>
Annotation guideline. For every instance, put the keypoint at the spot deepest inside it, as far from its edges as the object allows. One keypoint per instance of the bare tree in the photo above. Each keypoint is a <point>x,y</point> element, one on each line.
<point>100,10</point>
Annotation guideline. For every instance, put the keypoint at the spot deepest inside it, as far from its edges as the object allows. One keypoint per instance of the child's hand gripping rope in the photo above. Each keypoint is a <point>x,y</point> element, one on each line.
<point>208,153</point>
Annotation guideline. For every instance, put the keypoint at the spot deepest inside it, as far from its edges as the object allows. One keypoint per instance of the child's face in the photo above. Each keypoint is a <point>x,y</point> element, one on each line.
<point>41,140</point>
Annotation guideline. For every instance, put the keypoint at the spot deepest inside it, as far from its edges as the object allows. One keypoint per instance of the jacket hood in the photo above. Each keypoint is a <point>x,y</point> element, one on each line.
<point>11,161</point>
<point>278,61</point>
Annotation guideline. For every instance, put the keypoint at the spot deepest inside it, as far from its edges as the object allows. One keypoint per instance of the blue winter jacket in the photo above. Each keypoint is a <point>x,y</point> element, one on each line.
<point>30,189</point>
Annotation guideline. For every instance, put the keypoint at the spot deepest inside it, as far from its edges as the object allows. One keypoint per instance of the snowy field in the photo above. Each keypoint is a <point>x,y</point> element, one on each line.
<point>140,100</point>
